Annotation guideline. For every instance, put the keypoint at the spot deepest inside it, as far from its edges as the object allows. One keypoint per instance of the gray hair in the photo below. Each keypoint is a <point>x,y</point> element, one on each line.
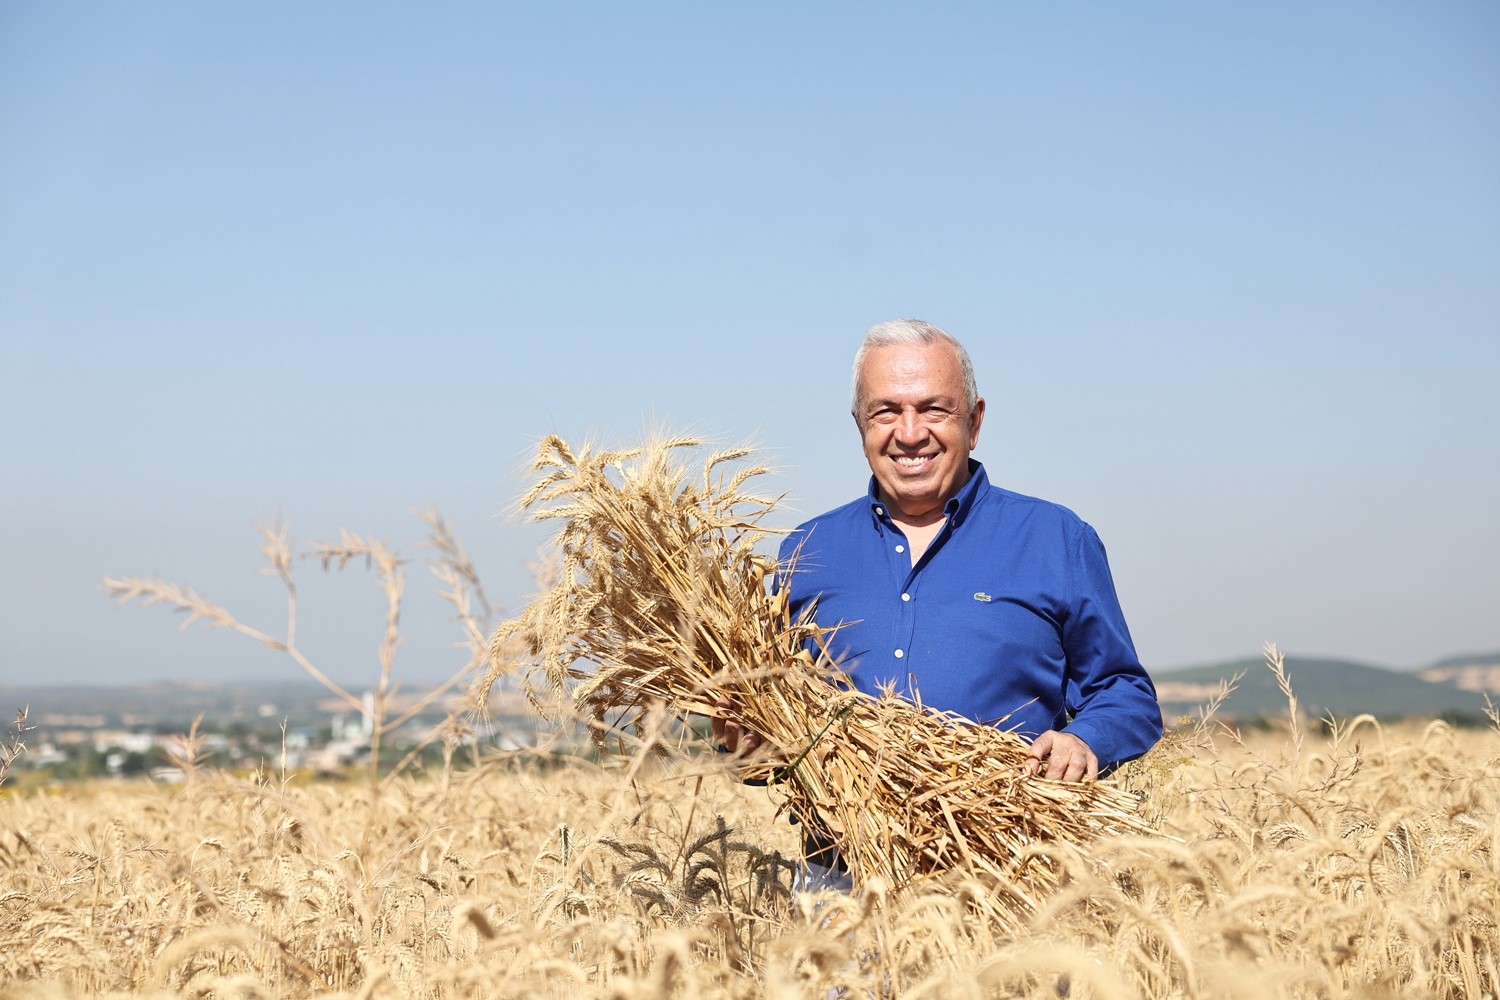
<point>911,331</point>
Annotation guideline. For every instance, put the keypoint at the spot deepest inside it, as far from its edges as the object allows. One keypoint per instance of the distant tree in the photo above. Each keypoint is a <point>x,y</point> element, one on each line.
<point>87,762</point>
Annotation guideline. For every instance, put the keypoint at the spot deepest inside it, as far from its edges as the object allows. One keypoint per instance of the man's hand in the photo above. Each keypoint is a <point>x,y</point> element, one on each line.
<point>1068,757</point>
<point>731,735</point>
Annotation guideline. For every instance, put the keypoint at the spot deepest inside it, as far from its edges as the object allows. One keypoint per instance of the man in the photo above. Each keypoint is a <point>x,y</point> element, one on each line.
<point>982,602</point>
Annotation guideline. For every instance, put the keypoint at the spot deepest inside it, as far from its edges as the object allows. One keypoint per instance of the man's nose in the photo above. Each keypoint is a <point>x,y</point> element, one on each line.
<point>909,428</point>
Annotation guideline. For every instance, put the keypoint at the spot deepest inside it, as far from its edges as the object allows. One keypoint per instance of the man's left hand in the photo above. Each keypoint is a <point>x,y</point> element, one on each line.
<point>1068,757</point>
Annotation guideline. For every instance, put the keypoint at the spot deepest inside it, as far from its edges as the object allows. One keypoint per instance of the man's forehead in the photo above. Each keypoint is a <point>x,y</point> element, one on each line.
<point>912,399</point>
<point>909,376</point>
<point>936,361</point>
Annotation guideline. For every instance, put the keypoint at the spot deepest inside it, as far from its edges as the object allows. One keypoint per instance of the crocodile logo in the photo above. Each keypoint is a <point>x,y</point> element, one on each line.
<point>982,596</point>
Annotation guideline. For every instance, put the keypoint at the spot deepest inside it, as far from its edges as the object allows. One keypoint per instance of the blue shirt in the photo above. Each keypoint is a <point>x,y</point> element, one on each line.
<point>1009,618</point>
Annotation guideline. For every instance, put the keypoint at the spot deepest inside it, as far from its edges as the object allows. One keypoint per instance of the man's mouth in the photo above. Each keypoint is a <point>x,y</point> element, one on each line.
<point>912,461</point>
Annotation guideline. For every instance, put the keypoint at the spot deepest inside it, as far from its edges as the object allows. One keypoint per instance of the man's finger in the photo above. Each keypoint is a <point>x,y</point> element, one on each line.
<point>1068,758</point>
<point>1041,747</point>
<point>728,733</point>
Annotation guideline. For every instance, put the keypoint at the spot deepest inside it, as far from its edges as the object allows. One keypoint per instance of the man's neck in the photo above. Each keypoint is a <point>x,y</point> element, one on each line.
<point>920,536</point>
<point>920,529</point>
<point>909,520</point>
<point>917,522</point>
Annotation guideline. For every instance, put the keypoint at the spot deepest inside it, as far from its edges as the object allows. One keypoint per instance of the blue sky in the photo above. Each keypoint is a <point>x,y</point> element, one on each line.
<point>1230,276</point>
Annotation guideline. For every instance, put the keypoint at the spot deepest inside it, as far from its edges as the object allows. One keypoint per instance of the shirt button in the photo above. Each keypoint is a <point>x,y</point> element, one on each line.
<point>880,511</point>
<point>901,548</point>
<point>900,653</point>
<point>906,597</point>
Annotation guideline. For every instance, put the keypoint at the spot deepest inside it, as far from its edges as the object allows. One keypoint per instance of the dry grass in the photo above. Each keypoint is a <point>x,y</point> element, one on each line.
<point>1367,865</point>
<point>660,601</point>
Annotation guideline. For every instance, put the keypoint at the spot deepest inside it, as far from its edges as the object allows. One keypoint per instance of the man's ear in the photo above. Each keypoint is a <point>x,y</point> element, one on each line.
<point>976,417</point>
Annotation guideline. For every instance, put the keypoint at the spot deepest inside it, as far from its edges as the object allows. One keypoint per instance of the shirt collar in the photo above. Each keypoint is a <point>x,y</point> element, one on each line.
<point>956,509</point>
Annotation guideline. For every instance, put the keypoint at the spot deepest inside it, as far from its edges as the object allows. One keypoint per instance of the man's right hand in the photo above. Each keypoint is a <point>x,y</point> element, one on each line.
<point>1067,757</point>
<point>732,736</point>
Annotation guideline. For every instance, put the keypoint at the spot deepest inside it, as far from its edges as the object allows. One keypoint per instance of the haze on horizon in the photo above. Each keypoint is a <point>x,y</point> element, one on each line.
<point>1230,277</point>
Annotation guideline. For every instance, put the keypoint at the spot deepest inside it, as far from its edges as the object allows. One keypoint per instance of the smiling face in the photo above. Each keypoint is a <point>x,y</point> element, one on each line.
<point>917,426</point>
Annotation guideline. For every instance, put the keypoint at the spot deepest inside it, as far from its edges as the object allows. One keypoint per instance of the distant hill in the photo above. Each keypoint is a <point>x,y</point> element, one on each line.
<point>1473,672</point>
<point>1342,687</point>
<point>166,706</point>
<point>1452,686</point>
<point>172,706</point>
<point>1468,660</point>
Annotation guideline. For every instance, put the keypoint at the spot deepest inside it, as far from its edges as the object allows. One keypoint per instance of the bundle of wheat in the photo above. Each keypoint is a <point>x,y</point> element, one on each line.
<point>661,598</point>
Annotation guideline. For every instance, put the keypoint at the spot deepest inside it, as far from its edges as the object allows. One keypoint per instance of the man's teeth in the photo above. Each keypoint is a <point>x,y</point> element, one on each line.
<point>912,460</point>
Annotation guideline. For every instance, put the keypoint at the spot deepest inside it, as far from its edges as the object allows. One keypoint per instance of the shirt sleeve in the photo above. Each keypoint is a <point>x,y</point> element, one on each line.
<point>1110,698</point>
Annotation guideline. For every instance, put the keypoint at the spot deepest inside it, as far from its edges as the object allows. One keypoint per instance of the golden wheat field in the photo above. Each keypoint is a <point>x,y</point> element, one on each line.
<point>1355,860</point>
<point>1361,863</point>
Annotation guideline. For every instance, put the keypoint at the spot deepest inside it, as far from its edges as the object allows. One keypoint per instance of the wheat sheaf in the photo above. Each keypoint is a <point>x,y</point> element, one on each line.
<point>661,598</point>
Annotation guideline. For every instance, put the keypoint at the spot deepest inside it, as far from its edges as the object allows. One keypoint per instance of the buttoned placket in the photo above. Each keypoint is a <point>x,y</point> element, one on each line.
<point>907,579</point>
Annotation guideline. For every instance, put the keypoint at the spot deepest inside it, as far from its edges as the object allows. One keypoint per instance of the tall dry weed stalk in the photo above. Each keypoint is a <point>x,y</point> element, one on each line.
<point>661,598</point>
<point>1276,663</point>
<point>14,743</point>
<point>459,585</point>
